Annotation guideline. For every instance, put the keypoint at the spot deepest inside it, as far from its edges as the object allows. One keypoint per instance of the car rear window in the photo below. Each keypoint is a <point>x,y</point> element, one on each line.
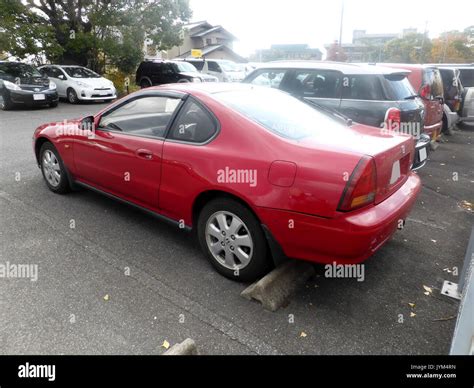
<point>467,77</point>
<point>278,112</point>
<point>432,77</point>
<point>397,87</point>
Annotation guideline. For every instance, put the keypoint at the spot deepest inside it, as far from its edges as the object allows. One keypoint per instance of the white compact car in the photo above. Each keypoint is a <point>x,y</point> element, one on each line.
<point>77,83</point>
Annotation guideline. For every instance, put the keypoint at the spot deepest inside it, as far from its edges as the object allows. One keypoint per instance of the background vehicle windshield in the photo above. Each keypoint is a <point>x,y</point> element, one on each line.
<point>186,67</point>
<point>21,70</point>
<point>398,87</point>
<point>278,112</point>
<point>228,66</point>
<point>80,72</point>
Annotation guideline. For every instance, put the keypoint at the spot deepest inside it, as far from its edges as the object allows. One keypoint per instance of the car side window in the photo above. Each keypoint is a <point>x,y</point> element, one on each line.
<point>314,84</point>
<point>54,72</point>
<point>214,66</point>
<point>269,78</point>
<point>363,87</point>
<point>194,124</point>
<point>145,116</point>
<point>197,64</point>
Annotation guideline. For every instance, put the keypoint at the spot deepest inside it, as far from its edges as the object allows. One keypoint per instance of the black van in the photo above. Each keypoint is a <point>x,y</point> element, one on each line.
<point>22,84</point>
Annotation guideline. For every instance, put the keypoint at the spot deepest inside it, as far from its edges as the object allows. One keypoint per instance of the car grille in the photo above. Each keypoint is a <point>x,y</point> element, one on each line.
<point>34,88</point>
<point>109,92</point>
<point>210,80</point>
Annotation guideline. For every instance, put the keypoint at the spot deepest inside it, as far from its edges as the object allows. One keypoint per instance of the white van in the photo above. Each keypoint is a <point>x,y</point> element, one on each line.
<point>224,70</point>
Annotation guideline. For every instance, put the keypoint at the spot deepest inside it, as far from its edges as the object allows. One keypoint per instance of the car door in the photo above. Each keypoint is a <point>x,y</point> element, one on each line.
<point>432,90</point>
<point>271,78</point>
<point>188,144</point>
<point>214,69</point>
<point>318,85</point>
<point>124,155</point>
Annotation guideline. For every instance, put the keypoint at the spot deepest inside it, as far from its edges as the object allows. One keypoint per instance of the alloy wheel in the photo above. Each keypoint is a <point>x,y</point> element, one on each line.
<point>51,168</point>
<point>229,240</point>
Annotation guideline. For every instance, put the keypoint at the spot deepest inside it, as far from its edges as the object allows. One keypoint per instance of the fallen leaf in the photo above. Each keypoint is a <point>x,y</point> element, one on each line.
<point>435,241</point>
<point>412,305</point>
<point>412,314</point>
<point>165,345</point>
<point>303,334</point>
<point>467,206</point>
<point>428,289</point>
<point>427,293</point>
<point>106,297</point>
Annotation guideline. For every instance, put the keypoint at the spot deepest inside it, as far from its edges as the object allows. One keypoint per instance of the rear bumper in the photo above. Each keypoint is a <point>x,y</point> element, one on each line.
<point>25,97</point>
<point>433,130</point>
<point>348,238</point>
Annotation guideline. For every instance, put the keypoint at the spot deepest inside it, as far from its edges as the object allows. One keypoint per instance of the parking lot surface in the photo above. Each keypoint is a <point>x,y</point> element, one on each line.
<point>113,280</point>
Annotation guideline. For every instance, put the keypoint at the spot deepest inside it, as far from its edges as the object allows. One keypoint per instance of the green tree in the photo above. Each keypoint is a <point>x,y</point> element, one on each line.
<point>412,48</point>
<point>90,32</point>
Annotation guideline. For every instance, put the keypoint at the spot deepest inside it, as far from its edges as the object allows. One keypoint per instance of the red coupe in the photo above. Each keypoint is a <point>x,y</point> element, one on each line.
<point>258,174</point>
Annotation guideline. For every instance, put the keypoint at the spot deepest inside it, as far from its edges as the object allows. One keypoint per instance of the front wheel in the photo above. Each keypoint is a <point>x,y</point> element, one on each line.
<point>232,239</point>
<point>5,103</point>
<point>54,172</point>
<point>72,96</point>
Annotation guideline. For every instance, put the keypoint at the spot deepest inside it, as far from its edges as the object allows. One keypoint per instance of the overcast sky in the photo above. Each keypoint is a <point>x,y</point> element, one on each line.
<point>260,23</point>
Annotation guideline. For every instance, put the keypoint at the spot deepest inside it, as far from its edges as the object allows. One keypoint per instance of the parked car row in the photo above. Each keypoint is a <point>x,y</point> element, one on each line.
<point>24,85</point>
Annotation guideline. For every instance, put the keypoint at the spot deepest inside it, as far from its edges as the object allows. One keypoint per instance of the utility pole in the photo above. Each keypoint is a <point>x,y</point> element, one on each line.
<point>340,29</point>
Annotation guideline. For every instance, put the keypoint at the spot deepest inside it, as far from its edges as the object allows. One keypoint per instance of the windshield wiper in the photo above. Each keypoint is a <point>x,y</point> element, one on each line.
<point>332,112</point>
<point>412,97</point>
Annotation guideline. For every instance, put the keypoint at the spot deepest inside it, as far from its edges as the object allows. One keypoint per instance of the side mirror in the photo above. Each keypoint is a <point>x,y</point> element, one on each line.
<point>61,76</point>
<point>88,124</point>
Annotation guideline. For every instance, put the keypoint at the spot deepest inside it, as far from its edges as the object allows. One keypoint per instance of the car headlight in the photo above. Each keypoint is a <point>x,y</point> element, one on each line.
<point>11,86</point>
<point>52,85</point>
<point>196,79</point>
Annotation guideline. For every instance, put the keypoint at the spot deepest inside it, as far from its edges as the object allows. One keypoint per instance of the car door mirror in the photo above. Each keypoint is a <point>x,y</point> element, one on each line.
<point>61,77</point>
<point>88,124</point>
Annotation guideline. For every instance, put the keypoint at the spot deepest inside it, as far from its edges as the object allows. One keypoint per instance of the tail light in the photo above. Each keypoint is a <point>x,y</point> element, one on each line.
<point>425,92</point>
<point>393,119</point>
<point>362,186</point>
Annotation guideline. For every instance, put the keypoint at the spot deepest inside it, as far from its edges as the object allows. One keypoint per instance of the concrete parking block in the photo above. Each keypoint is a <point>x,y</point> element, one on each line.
<point>276,288</point>
<point>185,348</point>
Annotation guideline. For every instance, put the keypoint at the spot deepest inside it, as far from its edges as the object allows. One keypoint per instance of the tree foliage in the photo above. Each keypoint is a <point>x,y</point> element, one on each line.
<point>412,48</point>
<point>90,32</point>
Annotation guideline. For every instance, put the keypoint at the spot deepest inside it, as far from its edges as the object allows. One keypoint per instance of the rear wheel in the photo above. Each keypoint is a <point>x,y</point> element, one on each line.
<point>232,239</point>
<point>144,83</point>
<point>54,172</point>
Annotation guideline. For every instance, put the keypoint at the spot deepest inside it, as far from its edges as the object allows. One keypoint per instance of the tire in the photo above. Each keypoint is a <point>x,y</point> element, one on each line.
<point>53,104</point>
<point>145,84</point>
<point>228,254</point>
<point>72,96</point>
<point>57,184</point>
<point>5,103</point>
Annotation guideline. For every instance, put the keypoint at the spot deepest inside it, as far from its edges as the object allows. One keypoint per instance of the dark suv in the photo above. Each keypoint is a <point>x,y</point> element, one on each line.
<point>152,73</point>
<point>22,84</point>
<point>376,96</point>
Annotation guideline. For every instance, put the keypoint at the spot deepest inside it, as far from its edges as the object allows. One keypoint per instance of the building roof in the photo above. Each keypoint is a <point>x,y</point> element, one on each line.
<point>343,67</point>
<point>192,25</point>
<point>211,30</point>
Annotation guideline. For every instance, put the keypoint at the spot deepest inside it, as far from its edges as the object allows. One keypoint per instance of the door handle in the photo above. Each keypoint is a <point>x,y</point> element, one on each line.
<point>144,154</point>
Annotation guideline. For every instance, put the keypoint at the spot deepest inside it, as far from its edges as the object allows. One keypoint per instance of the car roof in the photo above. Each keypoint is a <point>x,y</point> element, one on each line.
<point>345,68</point>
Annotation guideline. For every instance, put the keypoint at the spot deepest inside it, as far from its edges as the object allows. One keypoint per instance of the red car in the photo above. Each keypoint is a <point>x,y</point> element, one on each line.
<point>257,173</point>
<point>427,81</point>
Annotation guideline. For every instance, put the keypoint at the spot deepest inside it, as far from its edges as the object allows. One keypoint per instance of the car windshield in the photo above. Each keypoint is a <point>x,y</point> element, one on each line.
<point>186,67</point>
<point>278,112</point>
<point>228,66</point>
<point>21,70</point>
<point>80,72</point>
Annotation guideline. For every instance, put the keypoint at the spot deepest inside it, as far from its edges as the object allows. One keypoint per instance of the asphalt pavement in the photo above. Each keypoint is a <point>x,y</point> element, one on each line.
<point>113,280</point>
